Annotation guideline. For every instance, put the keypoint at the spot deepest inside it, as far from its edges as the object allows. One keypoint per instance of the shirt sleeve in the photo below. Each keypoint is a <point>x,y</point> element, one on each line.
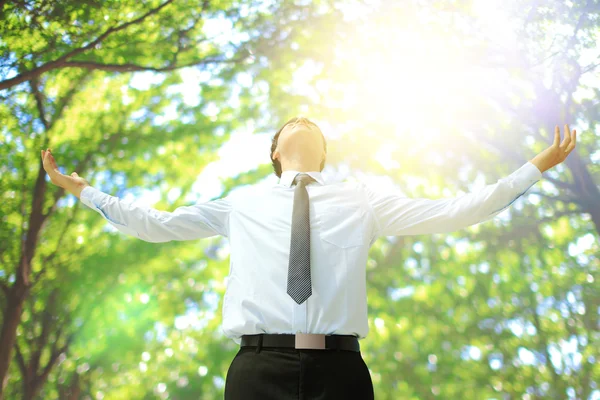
<point>197,221</point>
<point>396,215</point>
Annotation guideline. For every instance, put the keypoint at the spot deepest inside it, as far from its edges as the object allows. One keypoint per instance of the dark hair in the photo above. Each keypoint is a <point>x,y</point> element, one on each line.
<point>276,163</point>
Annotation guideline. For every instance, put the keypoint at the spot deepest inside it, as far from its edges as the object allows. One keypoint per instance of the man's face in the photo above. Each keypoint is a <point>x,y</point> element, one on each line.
<point>300,140</point>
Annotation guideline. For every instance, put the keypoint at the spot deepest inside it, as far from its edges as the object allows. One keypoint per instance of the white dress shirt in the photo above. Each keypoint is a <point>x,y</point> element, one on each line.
<point>345,220</point>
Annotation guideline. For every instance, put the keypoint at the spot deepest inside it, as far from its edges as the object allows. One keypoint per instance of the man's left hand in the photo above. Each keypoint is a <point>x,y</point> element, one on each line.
<point>558,152</point>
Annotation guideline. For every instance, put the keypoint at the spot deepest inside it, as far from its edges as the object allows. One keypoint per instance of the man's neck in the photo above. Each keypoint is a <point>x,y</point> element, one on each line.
<point>300,168</point>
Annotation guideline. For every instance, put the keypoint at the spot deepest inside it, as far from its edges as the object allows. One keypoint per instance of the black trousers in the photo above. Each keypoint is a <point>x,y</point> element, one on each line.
<point>275,373</point>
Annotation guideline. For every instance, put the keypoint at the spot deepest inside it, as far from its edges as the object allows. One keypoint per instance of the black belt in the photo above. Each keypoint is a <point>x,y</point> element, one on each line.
<point>302,341</point>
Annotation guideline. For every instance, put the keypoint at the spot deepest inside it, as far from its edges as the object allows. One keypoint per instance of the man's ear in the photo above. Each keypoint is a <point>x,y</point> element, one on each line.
<point>276,155</point>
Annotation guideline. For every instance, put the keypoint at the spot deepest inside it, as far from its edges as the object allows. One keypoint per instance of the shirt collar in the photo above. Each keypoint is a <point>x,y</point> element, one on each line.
<point>287,177</point>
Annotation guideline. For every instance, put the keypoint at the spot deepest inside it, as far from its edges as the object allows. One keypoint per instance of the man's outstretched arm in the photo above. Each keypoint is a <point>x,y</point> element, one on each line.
<point>185,223</point>
<point>398,215</point>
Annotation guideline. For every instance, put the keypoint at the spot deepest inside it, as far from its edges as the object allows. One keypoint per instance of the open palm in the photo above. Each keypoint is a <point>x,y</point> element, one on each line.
<point>558,151</point>
<point>68,182</point>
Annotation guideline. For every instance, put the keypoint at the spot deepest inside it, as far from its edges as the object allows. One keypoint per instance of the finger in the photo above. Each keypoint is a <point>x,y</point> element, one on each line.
<point>567,138</point>
<point>571,145</point>
<point>52,161</point>
<point>556,136</point>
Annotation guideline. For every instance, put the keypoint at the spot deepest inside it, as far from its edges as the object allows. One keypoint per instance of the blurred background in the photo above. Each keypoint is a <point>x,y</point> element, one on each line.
<point>168,103</point>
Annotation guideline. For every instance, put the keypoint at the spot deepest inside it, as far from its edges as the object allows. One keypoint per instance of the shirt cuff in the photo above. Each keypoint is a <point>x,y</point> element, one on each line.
<point>528,173</point>
<point>90,196</point>
<point>98,201</point>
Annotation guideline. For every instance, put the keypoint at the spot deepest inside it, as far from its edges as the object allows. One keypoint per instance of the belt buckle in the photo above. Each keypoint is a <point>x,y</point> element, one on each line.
<point>310,341</point>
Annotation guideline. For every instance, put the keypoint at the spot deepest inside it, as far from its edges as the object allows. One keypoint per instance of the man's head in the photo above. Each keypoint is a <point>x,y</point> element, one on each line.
<point>298,145</point>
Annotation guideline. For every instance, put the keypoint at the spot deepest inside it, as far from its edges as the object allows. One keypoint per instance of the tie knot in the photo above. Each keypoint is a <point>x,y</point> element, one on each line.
<point>303,178</point>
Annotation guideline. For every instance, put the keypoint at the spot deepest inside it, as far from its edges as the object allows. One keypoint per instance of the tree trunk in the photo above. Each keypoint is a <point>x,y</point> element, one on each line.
<point>20,289</point>
<point>73,391</point>
<point>14,308</point>
<point>32,388</point>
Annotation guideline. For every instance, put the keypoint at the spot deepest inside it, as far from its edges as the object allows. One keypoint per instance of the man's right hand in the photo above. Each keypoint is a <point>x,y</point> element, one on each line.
<point>73,183</point>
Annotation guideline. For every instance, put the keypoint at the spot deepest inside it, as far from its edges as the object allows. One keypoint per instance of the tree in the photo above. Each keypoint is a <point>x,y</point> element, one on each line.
<point>65,84</point>
<point>507,308</point>
<point>504,309</point>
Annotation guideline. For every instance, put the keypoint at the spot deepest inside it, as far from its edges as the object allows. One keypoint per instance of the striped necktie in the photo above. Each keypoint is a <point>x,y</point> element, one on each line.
<point>298,284</point>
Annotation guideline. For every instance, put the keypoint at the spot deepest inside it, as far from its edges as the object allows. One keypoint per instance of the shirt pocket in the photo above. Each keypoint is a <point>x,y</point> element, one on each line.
<point>341,226</point>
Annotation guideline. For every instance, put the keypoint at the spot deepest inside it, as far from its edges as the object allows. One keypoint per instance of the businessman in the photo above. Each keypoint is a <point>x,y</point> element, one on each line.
<point>296,298</point>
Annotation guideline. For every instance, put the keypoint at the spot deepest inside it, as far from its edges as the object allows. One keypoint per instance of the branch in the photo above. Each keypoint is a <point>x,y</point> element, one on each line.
<point>4,302</point>
<point>39,101</point>
<point>59,62</point>
<point>4,288</point>
<point>42,339</point>
<point>561,184</point>
<point>135,67</point>
<point>55,354</point>
<point>24,235</point>
<point>181,35</point>
<point>557,215</point>
<point>58,334</point>
<point>36,219</point>
<point>565,199</point>
<point>21,361</point>
<point>66,99</point>
<point>589,68</point>
<point>2,261</point>
<point>47,259</point>
<point>580,21</point>
<point>540,62</point>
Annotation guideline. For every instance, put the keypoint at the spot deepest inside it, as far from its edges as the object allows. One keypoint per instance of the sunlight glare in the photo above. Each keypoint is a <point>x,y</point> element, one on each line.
<point>414,81</point>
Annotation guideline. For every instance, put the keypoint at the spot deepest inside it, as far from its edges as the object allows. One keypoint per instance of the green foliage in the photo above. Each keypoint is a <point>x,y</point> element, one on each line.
<point>479,313</point>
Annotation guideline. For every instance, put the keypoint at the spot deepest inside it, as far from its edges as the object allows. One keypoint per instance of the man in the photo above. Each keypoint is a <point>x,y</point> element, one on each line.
<point>296,291</point>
